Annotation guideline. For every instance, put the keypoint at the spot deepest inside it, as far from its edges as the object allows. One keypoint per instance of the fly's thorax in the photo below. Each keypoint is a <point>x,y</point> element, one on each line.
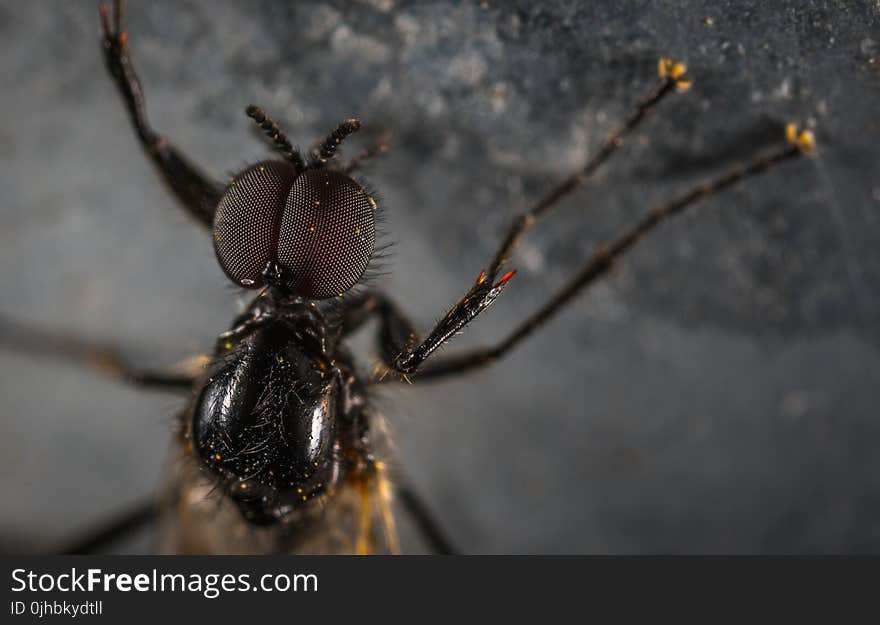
<point>265,421</point>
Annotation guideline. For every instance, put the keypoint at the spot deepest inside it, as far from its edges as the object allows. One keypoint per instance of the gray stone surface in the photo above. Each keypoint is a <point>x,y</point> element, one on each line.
<point>718,393</point>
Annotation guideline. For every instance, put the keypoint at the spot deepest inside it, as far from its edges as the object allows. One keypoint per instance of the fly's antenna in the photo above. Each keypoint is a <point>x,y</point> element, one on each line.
<point>271,129</point>
<point>327,150</point>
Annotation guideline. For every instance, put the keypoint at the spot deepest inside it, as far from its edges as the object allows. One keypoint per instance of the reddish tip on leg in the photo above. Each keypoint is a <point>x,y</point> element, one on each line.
<point>105,25</point>
<point>506,277</point>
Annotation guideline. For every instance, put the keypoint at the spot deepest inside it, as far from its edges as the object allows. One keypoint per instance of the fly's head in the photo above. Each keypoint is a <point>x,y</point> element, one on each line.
<point>311,233</point>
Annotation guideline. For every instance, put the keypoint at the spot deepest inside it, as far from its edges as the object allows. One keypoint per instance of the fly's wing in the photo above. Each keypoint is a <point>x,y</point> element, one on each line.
<point>356,518</point>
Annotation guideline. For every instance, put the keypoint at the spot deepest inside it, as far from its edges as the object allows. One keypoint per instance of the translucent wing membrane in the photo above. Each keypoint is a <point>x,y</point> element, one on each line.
<point>327,233</point>
<point>248,220</point>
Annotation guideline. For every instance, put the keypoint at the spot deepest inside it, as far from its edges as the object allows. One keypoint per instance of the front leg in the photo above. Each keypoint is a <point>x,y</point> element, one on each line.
<point>400,348</point>
<point>104,358</point>
<point>198,193</point>
<point>475,301</point>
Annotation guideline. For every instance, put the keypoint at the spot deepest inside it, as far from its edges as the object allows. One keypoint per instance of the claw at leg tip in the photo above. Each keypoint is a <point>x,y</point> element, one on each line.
<point>676,72</point>
<point>803,140</point>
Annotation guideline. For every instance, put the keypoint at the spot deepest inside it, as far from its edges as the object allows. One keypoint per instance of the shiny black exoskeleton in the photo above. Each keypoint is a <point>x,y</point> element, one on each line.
<point>280,416</point>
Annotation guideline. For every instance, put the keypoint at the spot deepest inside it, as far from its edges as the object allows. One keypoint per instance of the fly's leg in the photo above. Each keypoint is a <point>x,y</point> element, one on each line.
<point>672,78</point>
<point>431,529</point>
<point>104,534</point>
<point>198,193</point>
<point>490,283</point>
<point>604,257</point>
<point>138,516</point>
<point>379,148</point>
<point>395,329</point>
<point>428,526</point>
<point>101,357</point>
<point>396,333</point>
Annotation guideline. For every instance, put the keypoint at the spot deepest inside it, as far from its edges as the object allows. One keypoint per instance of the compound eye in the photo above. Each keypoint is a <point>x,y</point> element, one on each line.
<point>248,219</point>
<point>327,233</point>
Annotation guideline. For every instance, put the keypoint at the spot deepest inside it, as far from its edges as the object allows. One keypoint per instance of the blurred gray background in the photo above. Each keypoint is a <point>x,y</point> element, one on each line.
<point>719,393</point>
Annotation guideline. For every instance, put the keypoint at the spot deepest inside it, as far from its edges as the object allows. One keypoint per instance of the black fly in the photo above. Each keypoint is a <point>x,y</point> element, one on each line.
<point>280,422</point>
<point>281,417</point>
